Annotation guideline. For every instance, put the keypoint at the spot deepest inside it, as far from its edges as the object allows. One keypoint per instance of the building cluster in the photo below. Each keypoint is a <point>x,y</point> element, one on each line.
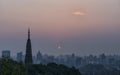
<point>69,60</point>
<point>77,61</point>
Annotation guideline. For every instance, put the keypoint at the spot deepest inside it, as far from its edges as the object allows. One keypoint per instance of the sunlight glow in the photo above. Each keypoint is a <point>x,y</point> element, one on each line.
<point>79,13</point>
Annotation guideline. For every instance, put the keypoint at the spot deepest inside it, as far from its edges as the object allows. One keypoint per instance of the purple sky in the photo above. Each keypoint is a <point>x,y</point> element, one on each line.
<point>61,26</point>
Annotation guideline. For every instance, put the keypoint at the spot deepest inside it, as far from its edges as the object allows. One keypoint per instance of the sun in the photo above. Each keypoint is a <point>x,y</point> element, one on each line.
<point>59,46</point>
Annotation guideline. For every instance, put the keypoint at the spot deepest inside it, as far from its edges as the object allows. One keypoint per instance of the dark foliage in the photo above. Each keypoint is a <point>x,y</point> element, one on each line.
<point>98,69</point>
<point>52,69</point>
<point>10,67</point>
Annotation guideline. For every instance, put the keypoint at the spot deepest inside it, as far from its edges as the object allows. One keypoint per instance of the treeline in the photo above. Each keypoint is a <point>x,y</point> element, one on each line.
<point>52,69</point>
<point>10,67</point>
<point>98,69</point>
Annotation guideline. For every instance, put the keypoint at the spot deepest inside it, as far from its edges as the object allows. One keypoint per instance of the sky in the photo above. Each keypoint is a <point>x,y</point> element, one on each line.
<point>59,27</point>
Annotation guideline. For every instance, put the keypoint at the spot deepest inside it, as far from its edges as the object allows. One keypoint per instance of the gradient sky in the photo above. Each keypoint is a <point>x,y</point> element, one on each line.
<point>61,26</point>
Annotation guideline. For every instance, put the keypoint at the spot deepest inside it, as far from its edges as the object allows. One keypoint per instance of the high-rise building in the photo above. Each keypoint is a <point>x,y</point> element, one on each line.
<point>39,57</point>
<point>6,54</point>
<point>20,56</point>
<point>28,56</point>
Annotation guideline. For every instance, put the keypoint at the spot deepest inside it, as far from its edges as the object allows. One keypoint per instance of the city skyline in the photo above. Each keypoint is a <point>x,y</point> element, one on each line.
<point>59,27</point>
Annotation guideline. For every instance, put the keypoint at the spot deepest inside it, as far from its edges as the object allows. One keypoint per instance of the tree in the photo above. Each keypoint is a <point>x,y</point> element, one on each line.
<point>10,67</point>
<point>52,69</point>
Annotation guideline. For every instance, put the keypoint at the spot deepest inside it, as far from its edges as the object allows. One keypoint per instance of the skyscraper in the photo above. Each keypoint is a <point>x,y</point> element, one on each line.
<point>28,56</point>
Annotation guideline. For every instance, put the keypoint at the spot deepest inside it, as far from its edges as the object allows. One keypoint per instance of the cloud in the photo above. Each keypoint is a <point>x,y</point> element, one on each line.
<point>79,13</point>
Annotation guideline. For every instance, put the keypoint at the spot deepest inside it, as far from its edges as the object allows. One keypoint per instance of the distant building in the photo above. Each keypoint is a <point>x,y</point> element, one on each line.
<point>102,58</point>
<point>20,56</point>
<point>39,57</point>
<point>6,54</point>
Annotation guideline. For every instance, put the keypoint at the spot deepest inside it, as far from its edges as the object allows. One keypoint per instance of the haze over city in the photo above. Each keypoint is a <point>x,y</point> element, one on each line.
<point>59,27</point>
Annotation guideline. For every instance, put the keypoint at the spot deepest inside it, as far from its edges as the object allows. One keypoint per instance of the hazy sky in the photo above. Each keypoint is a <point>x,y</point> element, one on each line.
<point>61,26</point>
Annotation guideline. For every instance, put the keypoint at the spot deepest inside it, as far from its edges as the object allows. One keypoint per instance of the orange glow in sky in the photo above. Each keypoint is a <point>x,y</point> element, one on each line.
<point>79,13</point>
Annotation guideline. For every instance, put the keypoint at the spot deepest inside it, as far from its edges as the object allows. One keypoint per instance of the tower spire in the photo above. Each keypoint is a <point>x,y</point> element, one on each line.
<point>28,33</point>
<point>28,56</point>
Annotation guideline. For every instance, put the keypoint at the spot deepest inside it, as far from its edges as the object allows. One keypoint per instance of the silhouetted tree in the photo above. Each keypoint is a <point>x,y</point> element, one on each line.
<point>10,67</point>
<point>52,69</point>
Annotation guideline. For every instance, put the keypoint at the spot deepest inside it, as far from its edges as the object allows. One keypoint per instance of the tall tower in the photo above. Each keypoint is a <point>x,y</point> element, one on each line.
<point>28,56</point>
